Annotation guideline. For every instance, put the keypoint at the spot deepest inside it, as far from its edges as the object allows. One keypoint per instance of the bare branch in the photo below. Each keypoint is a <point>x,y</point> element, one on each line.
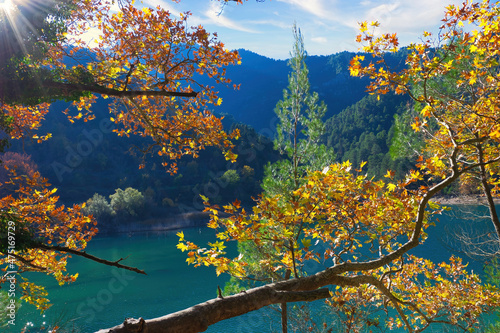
<point>68,88</point>
<point>199,317</point>
<point>88,256</point>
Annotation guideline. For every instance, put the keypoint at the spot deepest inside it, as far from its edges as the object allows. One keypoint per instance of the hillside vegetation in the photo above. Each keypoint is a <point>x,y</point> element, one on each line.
<point>83,161</point>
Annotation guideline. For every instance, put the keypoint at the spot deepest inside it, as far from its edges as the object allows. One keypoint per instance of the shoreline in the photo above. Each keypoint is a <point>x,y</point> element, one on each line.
<point>463,200</point>
<point>196,219</point>
<point>176,222</point>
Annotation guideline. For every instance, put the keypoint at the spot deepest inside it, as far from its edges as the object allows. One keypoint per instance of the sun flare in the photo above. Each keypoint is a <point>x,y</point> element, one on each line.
<point>6,5</point>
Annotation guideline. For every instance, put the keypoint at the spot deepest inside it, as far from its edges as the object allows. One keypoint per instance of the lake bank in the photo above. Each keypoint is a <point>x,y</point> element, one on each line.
<point>199,219</point>
<point>186,220</point>
<point>474,199</point>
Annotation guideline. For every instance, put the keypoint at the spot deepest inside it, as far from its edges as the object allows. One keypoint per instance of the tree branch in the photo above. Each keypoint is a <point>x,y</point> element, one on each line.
<point>199,317</point>
<point>88,256</point>
<point>68,88</point>
<point>25,261</point>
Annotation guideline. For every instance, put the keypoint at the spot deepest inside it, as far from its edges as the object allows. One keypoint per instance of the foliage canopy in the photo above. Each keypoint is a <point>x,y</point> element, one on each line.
<point>368,227</point>
<point>149,65</point>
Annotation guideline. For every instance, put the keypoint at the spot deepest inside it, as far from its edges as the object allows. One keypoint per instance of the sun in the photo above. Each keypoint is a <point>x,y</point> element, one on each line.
<point>6,5</point>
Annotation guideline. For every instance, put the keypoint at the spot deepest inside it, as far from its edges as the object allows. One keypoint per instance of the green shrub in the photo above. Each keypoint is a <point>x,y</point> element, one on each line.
<point>492,270</point>
<point>128,202</point>
<point>99,207</point>
<point>230,177</point>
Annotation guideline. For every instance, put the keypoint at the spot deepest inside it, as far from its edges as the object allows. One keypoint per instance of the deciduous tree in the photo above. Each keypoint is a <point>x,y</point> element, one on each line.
<point>453,78</point>
<point>300,127</point>
<point>456,80</point>
<point>145,61</point>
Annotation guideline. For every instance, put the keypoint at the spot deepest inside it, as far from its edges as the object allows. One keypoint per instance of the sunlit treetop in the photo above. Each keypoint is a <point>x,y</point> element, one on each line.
<point>454,78</point>
<point>360,231</point>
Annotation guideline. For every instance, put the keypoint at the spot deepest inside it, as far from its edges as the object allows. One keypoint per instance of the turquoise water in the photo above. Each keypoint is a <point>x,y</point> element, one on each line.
<point>104,296</point>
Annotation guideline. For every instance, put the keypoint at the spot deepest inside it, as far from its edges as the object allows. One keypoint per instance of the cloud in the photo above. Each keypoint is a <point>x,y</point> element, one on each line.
<point>408,16</point>
<point>163,4</point>
<point>274,23</point>
<point>321,40</point>
<point>328,25</point>
<point>215,15</point>
<point>319,8</point>
<point>383,12</point>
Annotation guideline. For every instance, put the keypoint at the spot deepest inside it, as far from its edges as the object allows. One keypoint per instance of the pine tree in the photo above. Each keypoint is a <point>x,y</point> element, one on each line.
<point>298,137</point>
<point>299,130</point>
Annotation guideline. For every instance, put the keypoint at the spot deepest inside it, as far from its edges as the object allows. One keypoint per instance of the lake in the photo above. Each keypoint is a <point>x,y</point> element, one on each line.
<point>103,296</point>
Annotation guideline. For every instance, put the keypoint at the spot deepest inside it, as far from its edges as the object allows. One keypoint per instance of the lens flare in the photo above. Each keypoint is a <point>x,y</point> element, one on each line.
<point>6,5</point>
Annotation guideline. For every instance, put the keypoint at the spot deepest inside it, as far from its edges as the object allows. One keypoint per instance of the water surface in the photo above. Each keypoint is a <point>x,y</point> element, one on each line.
<point>104,296</point>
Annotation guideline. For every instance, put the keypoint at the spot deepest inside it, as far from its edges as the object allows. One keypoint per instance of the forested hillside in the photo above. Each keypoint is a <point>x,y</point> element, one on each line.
<point>83,159</point>
<point>363,132</point>
<point>148,142</point>
<point>86,158</point>
<point>262,81</point>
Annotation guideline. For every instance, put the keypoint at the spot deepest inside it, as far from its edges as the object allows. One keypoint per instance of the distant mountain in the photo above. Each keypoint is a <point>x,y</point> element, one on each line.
<point>263,79</point>
<point>359,126</point>
<point>83,158</point>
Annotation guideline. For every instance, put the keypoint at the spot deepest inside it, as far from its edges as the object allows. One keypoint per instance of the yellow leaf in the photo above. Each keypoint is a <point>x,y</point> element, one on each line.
<point>363,27</point>
<point>306,242</point>
<point>426,111</point>
<point>183,247</point>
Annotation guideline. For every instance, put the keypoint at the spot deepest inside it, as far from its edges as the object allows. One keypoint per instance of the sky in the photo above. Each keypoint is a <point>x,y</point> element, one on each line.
<point>328,26</point>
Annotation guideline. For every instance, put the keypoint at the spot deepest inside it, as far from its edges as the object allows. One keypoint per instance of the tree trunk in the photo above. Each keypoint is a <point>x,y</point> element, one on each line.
<point>487,192</point>
<point>199,317</point>
<point>284,318</point>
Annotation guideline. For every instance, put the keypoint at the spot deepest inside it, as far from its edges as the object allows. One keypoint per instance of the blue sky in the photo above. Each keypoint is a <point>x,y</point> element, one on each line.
<point>328,26</point>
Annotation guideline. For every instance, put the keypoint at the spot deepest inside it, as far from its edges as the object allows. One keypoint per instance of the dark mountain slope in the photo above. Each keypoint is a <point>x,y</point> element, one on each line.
<point>262,81</point>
